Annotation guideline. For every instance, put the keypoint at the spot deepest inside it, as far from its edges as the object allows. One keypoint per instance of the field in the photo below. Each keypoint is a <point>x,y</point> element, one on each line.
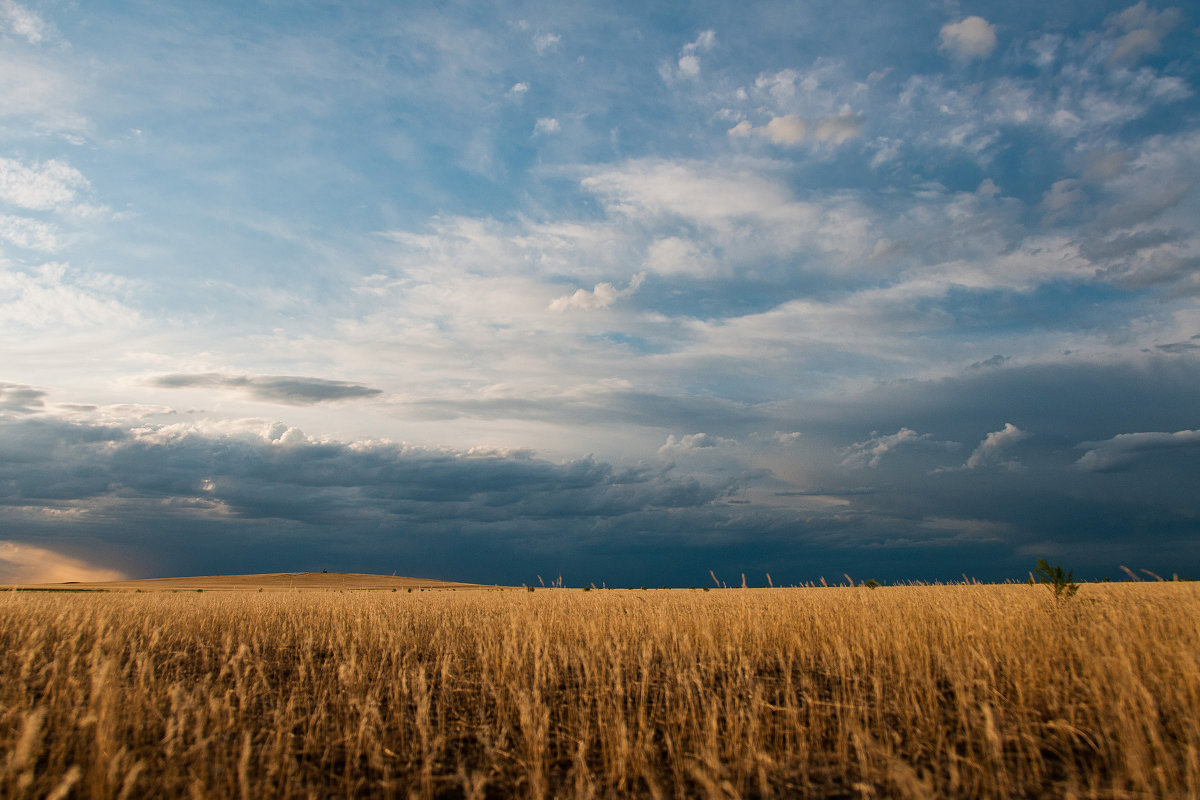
<point>916,691</point>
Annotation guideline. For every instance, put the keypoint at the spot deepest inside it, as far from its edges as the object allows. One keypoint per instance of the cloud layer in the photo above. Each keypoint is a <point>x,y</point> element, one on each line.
<point>271,388</point>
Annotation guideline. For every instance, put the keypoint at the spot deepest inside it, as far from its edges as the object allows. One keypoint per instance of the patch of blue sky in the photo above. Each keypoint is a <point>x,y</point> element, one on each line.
<point>1053,306</point>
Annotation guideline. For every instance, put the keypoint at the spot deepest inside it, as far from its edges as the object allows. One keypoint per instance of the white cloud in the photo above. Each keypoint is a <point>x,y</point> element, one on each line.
<point>689,66</point>
<point>704,42</point>
<point>973,37</point>
<point>1061,197</point>
<point>790,131</point>
<point>742,214</point>
<point>41,187</point>
<point>602,296</point>
<point>689,61</point>
<point>1141,32</point>
<point>24,22</point>
<point>1126,449</point>
<point>787,130</point>
<point>35,93</point>
<point>545,126</point>
<point>741,130</point>
<point>53,295</point>
<point>545,41</point>
<point>870,452</point>
<point>25,563</point>
<point>672,255</point>
<point>518,89</point>
<point>993,447</point>
<point>32,234</point>
<point>695,192</point>
<point>838,129</point>
<point>693,441</point>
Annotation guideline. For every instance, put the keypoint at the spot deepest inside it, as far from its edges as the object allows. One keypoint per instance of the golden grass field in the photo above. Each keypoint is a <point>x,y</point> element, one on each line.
<point>915,691</point>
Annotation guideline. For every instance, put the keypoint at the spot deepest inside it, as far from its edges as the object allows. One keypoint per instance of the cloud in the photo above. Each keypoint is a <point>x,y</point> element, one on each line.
<point>689,58</point>
<point>545,126</point>
<point>1061,198</point>
<point>19,398</point>
<point>234,474</point>
<point>693,441</point>
<point>973,37</point>
<point>870,452</point>
<point>288,390</point>
<point>993,447</point>
<point>791,131</point>
<point>54,295</point>
<point>1180,347</point>
<point>991,363</point>
<point>838,129</point>
<point>1141,31</point>
<point>518,89</point>
<point>24,22</point>
<point>672,255</point>
<point>41,186</point>
<point>705,41</point>
<point>39,94</point>
<point>602,296</point>
<point>787,130</point>
<point>689,66</point>
<point>31,234</point>
<point>543,42</point>
<point>26,563</point>
<point>1126,449</point>
<point>697,192</point>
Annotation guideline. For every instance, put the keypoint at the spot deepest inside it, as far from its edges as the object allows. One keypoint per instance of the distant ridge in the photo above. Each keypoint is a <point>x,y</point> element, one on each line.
<point>270,581</point>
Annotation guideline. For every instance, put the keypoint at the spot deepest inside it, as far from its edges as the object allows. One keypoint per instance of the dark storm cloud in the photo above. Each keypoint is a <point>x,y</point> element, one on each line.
<point>922,503</point>
<point>177,500</point>
<point>1080,487</point>
<point>154,491</point>
<point>289,390</point>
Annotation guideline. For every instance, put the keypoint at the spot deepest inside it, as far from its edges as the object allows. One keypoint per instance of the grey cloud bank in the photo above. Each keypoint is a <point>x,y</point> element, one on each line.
<point>171,498</point>
<point>272,388</point>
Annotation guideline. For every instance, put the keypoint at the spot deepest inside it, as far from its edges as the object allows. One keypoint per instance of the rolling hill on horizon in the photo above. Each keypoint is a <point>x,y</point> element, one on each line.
<point>276,581</point>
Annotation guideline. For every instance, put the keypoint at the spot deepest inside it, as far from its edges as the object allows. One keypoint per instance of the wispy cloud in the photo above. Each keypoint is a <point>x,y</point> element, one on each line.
<point>24,23</point>
<point>1127,449</point>
<point>288,390</point>
<point>39,186</point>
<point>1139,31</point>
<point>870,453</point>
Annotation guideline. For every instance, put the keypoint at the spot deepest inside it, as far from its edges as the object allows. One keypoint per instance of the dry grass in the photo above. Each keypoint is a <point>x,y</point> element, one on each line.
<point>963,691</point>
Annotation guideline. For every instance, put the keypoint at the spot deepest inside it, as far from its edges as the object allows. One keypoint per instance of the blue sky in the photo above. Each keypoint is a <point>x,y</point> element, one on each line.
<point>904,291</point>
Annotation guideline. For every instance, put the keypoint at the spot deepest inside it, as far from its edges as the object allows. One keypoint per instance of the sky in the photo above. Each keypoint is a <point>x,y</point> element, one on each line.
<point>617,292</point>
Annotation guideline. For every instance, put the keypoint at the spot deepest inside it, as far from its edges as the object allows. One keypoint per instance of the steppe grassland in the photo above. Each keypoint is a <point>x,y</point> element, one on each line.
<point>965,691</point>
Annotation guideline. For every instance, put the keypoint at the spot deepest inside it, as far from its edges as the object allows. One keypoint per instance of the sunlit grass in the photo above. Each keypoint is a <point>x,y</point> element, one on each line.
<point>969,691</point>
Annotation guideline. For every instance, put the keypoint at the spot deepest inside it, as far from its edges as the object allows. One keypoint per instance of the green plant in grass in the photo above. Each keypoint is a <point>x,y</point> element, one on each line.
<point>1056,580</point>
